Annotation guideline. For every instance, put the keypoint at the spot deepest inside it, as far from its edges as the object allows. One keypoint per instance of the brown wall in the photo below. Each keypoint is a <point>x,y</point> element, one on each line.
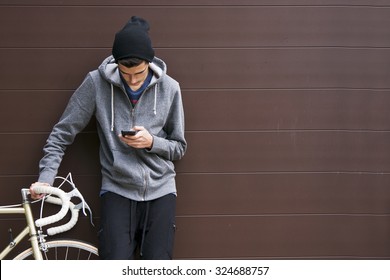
<point>287,117</point>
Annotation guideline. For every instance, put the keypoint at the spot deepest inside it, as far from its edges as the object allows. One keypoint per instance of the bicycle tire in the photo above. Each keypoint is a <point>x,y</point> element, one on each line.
<point>64,250</point>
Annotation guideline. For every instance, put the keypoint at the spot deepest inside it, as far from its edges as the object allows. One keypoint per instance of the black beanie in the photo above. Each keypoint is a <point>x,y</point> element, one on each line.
<point>133,41</point>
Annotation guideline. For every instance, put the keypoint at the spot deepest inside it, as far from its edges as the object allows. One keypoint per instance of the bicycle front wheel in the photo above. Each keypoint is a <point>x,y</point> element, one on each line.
<point>64,250</point>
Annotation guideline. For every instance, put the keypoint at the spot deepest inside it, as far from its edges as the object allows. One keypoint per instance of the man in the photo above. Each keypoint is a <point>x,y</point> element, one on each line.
<point>130,91</point>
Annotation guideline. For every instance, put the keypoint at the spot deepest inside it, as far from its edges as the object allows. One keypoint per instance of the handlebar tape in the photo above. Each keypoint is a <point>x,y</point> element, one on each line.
<point>65,200</point>
<point>72,222</point>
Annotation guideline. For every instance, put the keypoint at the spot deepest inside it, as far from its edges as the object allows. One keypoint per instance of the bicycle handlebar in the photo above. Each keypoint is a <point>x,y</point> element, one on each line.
<point>63,199</point>
<point>72,222</point>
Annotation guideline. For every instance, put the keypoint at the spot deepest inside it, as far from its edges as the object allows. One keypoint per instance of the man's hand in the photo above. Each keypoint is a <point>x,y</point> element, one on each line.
<point>35,195</point>
<point>142,140</point>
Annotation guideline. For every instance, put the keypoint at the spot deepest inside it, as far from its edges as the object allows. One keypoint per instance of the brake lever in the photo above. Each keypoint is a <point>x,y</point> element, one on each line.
<point>83,204</point>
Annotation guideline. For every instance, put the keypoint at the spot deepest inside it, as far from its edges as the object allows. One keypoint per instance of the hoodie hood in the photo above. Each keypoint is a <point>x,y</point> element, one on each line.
<point>109,71</point>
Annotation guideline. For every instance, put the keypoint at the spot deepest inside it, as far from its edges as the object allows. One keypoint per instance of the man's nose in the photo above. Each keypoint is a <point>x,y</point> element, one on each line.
<point>133,79</point>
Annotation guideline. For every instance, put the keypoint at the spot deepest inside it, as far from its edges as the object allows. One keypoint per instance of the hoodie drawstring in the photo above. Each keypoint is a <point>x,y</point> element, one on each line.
<point>134,216</point>
<point>112,108</point>
<point>155,100</point>
<point>146,217</point>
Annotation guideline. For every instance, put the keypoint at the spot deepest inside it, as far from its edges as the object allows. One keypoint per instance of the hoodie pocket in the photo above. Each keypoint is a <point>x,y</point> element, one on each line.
<point>158,166</point>
<point>126,168</point>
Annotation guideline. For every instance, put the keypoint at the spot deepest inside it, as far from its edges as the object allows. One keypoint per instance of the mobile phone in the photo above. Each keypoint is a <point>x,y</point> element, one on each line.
<point>129,132</point>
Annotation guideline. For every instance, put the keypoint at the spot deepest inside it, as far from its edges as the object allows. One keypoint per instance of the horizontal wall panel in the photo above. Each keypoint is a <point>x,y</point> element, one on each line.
<point>162,3</point>
<point>280,68</point>
<point>16,107</point>
<point>58,69</point>
<point>288,151</point>
<point>229,110</point>
<point>295,151</point>
<point>31,111</point>
<point>21,154</point>
<point>266,237</point>
<point>212,68</point>
<point>179,26</point>
<point>226,110</point>
<point>258,194</point>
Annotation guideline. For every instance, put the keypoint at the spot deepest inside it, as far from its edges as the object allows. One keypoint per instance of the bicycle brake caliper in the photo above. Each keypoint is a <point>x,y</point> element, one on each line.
<point>42,242</point>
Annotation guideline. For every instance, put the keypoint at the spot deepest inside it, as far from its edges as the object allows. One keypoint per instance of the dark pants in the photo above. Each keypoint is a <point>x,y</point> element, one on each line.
<point>129,226</point>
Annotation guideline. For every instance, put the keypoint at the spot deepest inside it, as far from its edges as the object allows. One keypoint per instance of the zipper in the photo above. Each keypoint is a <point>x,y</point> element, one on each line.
<point>144,178</point>
<point>132,117</point>
<point>133,107</point>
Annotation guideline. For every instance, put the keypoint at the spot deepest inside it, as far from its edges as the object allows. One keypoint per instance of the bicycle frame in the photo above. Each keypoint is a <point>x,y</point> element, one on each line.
<point>30,229</point>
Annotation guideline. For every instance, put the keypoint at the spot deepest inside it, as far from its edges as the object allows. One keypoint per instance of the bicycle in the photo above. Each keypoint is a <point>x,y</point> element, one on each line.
<point>40,249</point>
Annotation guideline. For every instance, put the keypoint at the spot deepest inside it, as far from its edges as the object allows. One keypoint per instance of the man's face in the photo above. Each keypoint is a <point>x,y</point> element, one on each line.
<point>134,76</point>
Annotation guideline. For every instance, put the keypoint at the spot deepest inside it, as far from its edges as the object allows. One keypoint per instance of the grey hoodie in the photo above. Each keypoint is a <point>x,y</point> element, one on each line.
<point>138,174</point>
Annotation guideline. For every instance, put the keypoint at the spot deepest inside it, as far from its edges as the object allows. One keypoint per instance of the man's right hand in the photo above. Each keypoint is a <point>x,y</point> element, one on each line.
<point>35,195</point>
